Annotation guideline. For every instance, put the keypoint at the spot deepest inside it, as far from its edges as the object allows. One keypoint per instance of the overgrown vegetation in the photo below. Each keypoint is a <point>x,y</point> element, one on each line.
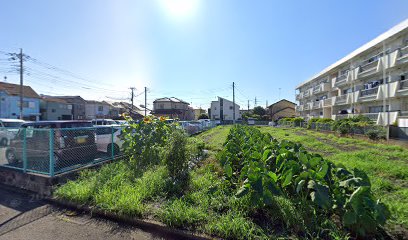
<point>355,125</point>
<point>258,165</point>
<point>251,186</point>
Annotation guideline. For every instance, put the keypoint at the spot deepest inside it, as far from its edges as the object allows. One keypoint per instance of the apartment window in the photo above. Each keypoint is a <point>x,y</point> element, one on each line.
<point>161,106</point>
<point>53,110</point>
<point>100,108</point>
<point>69,107</point>
<point>230,107</point>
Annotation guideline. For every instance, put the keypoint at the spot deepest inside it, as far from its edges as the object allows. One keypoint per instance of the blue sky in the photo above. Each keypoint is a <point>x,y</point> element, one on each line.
<point>191,49</point>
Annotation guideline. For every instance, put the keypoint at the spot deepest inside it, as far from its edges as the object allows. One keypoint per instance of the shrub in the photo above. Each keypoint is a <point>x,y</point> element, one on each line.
<point>176,159</point>
<point>376,133</point>
<point>144,141</point>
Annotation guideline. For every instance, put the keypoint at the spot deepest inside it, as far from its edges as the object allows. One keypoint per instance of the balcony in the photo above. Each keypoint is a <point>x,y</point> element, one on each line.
<point>299,96</point>
<point>372,116</point>
<point>341,99</point>
<point>369,92</point>
<point>322,87</point>
<point>317,104</point>
<point>307,93</point>
<point>368,68</point>
<point>403,85</point>
<point>306,106</point>
<point>402,55</point>
<point>342,79</point>
<point>328,102</point>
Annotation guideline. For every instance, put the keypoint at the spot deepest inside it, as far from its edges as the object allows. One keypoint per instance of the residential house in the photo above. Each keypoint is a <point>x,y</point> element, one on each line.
<point>223,110</point>
<point>173,108</point>
<point>282,109</point>
<point>370,81</point>
<point>98,109</point>
<point>198,112</point>
<point>55,109</point>
<point>10,102</point>
<point>134,112</point>
<point>78,106</point>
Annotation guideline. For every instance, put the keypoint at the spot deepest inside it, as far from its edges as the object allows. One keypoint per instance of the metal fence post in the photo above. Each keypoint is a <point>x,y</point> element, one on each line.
<point>112,148</point>
<point>25,150</point>
<point>52,160</point>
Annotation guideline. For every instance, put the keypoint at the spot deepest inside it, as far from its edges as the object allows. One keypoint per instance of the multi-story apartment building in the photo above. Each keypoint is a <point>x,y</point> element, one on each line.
<point>371,81</point>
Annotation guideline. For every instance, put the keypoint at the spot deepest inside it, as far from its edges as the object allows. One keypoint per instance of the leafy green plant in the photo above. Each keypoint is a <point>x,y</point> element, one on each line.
<point>259,166</point>
<point>376,134</point>
<point>144,141</point>
<point>176,160</point>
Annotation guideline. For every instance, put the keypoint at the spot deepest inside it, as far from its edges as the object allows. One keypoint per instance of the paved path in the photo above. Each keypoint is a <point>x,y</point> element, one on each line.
<point>22,216</point>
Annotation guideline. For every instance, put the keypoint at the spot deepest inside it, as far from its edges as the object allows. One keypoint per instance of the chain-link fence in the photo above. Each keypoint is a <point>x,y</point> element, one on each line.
<point>50,151</point>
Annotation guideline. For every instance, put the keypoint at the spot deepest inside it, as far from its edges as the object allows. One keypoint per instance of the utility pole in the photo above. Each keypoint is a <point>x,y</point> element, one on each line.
<point>145,101</point>
<point>21,83</point>
<point>266,104</point>
<point>233,101</point>
<point>255,102</point>
<point>131,99</point>
<point>248,106</point>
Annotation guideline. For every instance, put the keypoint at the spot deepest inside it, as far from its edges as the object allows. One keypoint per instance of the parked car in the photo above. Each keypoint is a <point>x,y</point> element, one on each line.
<point>74,143</point>
<point>121,122</point>
<point>8,130</point>
<point>104,139</point>
<point>98,122</point>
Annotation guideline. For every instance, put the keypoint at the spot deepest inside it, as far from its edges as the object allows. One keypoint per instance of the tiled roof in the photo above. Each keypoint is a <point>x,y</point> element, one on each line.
<point>14,90</point>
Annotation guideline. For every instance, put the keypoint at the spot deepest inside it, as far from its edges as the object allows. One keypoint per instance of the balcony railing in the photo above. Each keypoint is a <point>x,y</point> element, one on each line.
<point>327,102</point>
<point>316,104</point>
<point>369,66</point>
<point>341,99</point>
<point>342,77</point>
<point>317,88</point>
<point>403,52</point>
<point>299,96</point>
<point>306,93</point>
<point>369,92</point>
<point>403,84</point>
<point>299,108</point>
<point>372,116</point>
<point>306,106</point>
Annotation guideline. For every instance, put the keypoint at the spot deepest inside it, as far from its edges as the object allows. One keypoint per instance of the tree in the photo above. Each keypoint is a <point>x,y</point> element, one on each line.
<point>259,111</point>
<point>203,116</point>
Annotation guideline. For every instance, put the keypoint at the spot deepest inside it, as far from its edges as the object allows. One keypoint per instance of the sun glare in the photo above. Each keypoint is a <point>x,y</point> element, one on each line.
<point>180,8</point>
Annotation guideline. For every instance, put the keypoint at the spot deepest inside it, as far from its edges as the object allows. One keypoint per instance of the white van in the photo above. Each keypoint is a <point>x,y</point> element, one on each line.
<point>8,129</point>
<point>103,122</point>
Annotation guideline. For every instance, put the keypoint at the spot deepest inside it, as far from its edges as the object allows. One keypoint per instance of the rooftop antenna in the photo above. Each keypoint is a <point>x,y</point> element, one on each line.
<point>5,78</point>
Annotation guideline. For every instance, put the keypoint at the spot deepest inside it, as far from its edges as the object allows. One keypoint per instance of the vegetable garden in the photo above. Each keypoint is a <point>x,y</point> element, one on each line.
<point>252,186</point>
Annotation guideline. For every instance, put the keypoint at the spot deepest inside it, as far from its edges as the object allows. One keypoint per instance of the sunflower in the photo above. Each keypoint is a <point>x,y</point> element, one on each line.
<point>162,119</point>
<point>146,120</point>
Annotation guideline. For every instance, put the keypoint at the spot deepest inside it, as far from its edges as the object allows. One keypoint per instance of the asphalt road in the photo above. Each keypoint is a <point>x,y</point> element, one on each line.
<point>23,216</point>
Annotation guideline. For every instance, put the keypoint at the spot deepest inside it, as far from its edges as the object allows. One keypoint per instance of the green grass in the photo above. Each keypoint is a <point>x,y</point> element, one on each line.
<point>386,165</point>
<point>209,206</point>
